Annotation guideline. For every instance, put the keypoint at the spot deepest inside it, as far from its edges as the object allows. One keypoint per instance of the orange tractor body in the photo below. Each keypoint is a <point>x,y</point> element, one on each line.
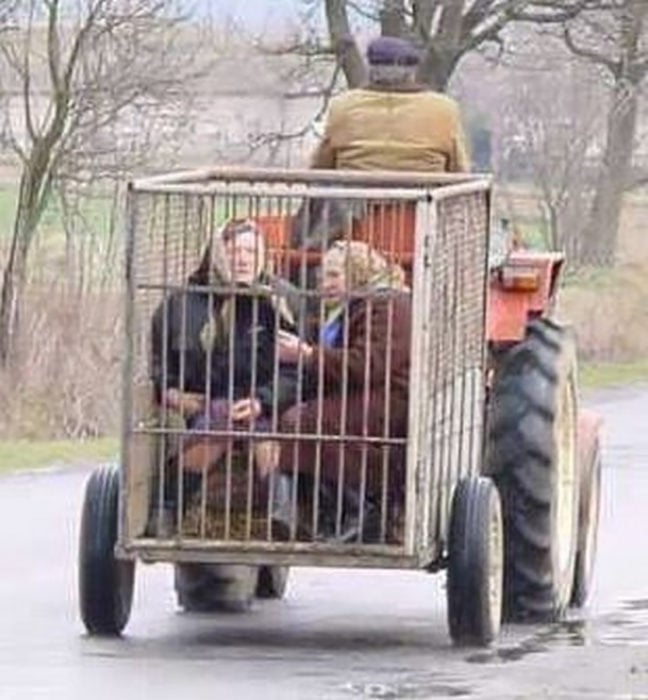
<point>521,289</point>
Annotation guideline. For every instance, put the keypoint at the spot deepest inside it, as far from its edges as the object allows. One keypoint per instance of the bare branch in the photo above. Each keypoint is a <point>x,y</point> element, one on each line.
<point>346,48</point>
<point>590,54</point>
<point>26,78</point>
<point>326,93</point>
<point>53,44</point>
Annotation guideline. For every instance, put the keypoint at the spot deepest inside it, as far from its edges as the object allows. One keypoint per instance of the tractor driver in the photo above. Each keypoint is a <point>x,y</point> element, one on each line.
<point>393,123</point>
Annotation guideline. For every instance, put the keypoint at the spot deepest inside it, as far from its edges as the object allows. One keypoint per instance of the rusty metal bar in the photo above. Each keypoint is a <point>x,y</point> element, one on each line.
<point>334,177</point>
<point>281,190</point>
<point>128,420</point>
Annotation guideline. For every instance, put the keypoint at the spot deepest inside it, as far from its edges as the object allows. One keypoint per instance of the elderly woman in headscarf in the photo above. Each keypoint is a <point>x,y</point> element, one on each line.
<point>214,352</point>
<point>356,383</point>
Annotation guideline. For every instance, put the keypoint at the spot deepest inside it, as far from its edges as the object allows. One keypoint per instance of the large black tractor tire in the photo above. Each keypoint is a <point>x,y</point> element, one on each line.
<point>475,564</point>
<point>215,587</point>
<point>105,582</point>
<point>588,521</point>
<point>532,456</point>
<point>272,582</point>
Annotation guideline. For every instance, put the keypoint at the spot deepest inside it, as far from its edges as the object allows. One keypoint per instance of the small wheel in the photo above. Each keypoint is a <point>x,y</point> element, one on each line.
<point>588,520</point>
<point>272,581</point>
<point>215,587</point>
<point>105,582</point>
<point>476,562</point>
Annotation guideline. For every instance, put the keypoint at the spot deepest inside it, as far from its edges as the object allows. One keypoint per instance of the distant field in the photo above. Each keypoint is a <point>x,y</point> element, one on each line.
<point>522,203</point>
<point>27,454</point>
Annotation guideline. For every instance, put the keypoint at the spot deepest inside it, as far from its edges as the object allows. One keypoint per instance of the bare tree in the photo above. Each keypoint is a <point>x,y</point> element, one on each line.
<point>446,30</point>
<point>74,70</point>
<point>617,41</point>
<point>550,125</point>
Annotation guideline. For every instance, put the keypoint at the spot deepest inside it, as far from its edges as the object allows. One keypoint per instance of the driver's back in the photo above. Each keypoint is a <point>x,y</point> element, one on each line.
<point>374,129</point>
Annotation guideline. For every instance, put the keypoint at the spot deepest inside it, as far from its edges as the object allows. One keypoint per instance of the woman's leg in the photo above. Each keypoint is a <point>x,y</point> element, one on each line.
<point>204,453</point>
<point>266,456</point>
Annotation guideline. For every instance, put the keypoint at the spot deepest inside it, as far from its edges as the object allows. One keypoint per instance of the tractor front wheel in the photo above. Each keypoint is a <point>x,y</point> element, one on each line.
<point>272,582</point>
<point>215,587</point>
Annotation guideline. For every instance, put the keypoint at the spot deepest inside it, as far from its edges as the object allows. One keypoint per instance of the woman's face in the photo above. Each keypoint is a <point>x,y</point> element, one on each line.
<point>245,253</point>
<point>333,280</point>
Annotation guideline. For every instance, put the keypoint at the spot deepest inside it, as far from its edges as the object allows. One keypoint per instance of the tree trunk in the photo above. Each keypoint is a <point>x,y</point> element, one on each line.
<point>13,281</point>
<point>436,69</point>
<point>33,193</point>
<point>392,19</point>
<point>346,48</point>
<point>599,239</point>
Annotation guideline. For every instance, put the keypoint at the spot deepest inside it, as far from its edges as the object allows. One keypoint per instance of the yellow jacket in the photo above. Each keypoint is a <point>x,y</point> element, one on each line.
<point>372,129</point>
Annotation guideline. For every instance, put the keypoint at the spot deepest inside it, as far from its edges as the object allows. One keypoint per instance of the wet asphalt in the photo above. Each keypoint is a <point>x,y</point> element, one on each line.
<point>337,634</point>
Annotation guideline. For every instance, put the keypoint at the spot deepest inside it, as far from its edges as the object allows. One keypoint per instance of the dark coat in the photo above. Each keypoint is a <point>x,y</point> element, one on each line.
<point>246,359</point>
<point>377,363</point>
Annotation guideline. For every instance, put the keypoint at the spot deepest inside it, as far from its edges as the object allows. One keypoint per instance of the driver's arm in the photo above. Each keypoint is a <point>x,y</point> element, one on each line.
<point>459,159</point>
<point>324,157</point>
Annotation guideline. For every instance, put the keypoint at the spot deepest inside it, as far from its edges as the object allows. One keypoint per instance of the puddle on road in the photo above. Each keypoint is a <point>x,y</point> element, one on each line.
<point>625,627</point>
<point>569,633</point>
<point>412,687</point>
<point>628,628</point>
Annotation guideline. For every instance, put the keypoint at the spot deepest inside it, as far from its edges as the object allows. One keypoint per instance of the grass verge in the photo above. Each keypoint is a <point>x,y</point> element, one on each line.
<point>32,454</point>
<point>596,375</point>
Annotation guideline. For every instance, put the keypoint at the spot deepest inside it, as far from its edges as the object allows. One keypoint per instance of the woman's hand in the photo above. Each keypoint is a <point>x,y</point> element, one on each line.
<point>246,409</point>
<point>291,348</point>
<point>171,399</point>
<point>186,402</point>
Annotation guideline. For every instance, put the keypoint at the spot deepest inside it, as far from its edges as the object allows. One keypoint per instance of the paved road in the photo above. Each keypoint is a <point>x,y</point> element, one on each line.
<point>338,634</point>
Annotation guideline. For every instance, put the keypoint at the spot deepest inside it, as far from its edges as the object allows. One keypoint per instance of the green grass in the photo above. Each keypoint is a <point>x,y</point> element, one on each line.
<point>31,454</point>
<point>596,375</point>
<point>7,208</point>
<point>94,208</point>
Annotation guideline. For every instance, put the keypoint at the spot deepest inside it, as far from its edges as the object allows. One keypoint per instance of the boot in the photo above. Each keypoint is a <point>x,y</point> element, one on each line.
<point>162,521</point>
<point>281,506</point>
<point>350,526</point>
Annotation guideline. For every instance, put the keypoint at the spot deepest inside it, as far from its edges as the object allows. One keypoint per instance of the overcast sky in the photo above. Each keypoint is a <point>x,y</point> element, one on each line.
<point>251,12</point>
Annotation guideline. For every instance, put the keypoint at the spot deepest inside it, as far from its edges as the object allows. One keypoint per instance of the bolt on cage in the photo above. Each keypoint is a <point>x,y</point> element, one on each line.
<point>432,235</point>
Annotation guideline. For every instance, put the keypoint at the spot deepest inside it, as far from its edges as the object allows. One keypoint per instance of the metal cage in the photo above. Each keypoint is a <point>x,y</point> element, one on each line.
<point>434,229</point>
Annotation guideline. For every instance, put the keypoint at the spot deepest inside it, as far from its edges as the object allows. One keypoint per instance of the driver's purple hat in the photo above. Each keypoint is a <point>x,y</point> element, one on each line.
<point>392,51</point>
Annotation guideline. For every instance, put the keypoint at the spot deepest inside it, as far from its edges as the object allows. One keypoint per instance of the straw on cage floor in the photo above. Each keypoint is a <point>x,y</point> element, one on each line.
<point>215,524</point>
<point>247,520</point>
<point>249,517</point>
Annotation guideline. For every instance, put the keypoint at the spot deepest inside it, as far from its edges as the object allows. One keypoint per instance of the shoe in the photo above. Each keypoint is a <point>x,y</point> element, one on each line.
<point>162,520</point>
<point>162,523</point>
<point>350,526</point>
<point>281,507</point>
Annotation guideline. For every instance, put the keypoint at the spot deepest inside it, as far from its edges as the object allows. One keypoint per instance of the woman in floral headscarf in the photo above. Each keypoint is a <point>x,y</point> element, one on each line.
<point>214,351</point>
<point>356,379</point>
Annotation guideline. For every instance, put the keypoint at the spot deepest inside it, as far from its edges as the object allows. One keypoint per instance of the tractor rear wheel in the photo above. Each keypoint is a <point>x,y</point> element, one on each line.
<point>532,454</point>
